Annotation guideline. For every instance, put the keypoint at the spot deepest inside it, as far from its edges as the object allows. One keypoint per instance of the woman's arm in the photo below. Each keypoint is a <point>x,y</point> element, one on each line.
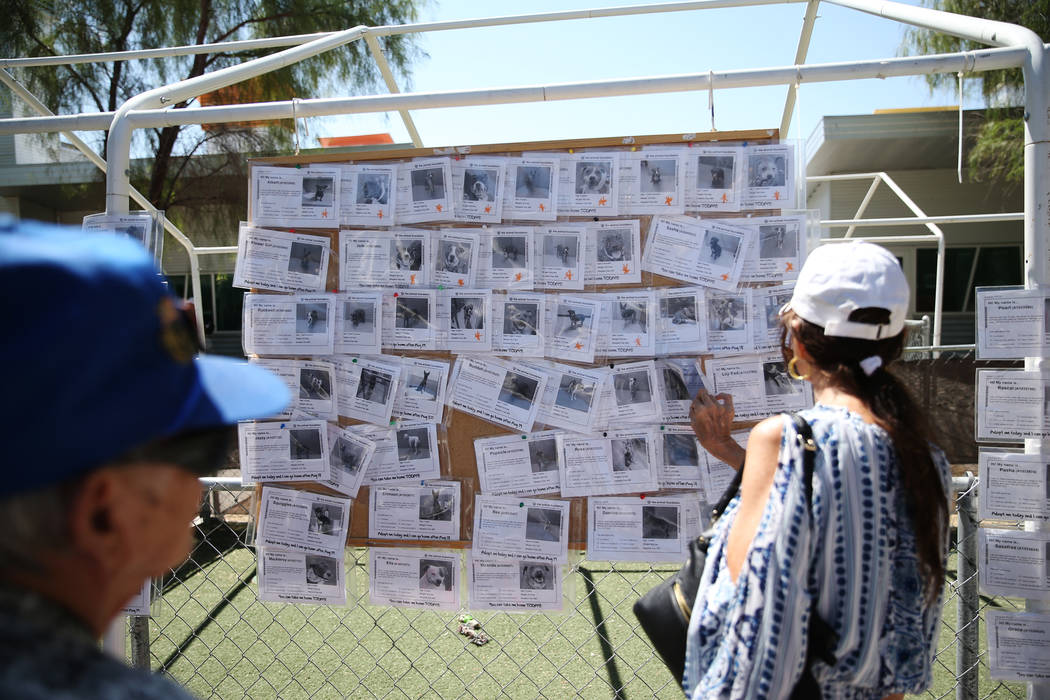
<point>763,447</point>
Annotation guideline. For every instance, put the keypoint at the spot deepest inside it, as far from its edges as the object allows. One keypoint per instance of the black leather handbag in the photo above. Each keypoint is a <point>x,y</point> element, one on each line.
<point>664,611</point>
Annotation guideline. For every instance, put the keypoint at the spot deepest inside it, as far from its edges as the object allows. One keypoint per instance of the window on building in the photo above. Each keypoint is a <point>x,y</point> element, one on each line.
<point>228,304</point>
<point>964,269</point>
<point>220,302</point>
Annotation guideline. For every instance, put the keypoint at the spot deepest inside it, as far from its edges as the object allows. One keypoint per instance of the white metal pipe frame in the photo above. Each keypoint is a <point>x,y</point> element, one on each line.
<point>1011,46</point>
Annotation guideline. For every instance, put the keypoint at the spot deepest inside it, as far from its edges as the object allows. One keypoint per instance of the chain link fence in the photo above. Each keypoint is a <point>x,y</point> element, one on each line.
<point>210,633</point>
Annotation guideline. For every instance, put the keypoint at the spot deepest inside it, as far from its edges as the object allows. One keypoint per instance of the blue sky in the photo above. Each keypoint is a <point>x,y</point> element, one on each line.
<point>637,46</point>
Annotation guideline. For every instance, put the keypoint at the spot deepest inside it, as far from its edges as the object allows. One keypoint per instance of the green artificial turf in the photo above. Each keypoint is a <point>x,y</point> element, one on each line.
<point>211,634</point>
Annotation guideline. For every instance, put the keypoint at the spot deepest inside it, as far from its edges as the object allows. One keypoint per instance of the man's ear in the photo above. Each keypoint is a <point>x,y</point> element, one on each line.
<point>98,524</point>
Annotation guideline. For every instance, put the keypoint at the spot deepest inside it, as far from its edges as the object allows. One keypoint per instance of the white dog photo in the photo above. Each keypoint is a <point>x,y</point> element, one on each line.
<point>434,575</point>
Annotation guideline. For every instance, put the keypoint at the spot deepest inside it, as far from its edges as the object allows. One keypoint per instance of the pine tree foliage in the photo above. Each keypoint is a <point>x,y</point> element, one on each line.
<point>63,27</point>
<point>998,152</point>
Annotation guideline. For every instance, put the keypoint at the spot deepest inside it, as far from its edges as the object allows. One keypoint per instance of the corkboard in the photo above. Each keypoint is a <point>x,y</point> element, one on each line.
<point>459,430</point>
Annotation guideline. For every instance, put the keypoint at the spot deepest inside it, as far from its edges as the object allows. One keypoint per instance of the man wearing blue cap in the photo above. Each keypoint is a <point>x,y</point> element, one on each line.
<point>109,418</point>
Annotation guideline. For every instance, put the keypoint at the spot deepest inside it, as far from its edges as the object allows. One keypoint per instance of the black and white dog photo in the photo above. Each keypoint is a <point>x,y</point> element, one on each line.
<point>533,182</point>
<point>304,443</point>
<point>411,312</point>
<point>674,385</point>
<point>453,257</point>
<point>774,303</point>
<point>519,319</point>
<point>632,387</point>
<point>424,383</point>
<point>777,241</point>
<point>412,443</point>
<point>680,450</point>
<point>776,380</point>
<point>536,576</point>
<point>508,252</point>
<point>613,245</point>
<point>543,455</point>
<point>630,316</point>
<point>543,524</point>
<point>593,177</point>
<point>305,258</point>
<point>659,523</point>
<point>725,313</point>
<point>321,570</point>
<point>629,454</point>
<point>347,457</point>
<point>359,317</point>
<point>434,575</point>
<point>325,519</point>
<point>428,183</point>
<point>574,393</point>
<point>406,254</point>
<point>436,505</point>
<point>560,251</point>
<point>467,313</point>
<point>374,386</point>
<point>715,172</point>
<point>373,188</point>
<point>317,191</point>
<point>315,384</point>
<point>572,320</point>
<point>658,176</point>
<point>311,318</point>
<point>679,310</point>
<point>764,170</point>
<point>518,390</point>
<point>479,185</point>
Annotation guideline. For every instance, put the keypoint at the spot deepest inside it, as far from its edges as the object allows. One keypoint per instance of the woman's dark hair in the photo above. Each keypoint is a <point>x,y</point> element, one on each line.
<point>897,413</point>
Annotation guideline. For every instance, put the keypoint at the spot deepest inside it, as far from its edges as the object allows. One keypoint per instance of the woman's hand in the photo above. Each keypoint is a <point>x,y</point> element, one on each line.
<point>712,419</point>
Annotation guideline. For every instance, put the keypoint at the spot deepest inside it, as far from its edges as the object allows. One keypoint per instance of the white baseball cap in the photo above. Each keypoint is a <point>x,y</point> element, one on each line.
<point>839,278</point>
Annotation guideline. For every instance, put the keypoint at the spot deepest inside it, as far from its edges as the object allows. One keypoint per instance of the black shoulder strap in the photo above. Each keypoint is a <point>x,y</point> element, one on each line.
<point>730,492</point>
<point>822,637</point>
<point>809,451</point>
<point>809,454</point>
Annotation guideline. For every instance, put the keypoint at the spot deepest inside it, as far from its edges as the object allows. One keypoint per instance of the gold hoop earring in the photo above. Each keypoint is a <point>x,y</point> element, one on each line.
<point>793,371</point>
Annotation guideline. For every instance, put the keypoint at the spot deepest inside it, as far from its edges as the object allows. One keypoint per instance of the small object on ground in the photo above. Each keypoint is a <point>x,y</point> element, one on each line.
<point>471,629</point>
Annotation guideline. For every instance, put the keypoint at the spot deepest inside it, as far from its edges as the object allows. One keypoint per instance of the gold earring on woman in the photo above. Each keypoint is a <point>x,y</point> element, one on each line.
<point>794,372</point>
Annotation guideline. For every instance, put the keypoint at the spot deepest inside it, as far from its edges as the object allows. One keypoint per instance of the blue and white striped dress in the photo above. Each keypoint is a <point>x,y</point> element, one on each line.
<point>747,639</point>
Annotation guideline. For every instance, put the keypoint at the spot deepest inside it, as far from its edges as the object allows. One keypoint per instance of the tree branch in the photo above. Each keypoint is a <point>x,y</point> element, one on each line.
<point>250,20</point>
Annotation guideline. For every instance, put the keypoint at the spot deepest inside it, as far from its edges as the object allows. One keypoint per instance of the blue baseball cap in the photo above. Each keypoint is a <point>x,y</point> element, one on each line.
<point>98,357</point>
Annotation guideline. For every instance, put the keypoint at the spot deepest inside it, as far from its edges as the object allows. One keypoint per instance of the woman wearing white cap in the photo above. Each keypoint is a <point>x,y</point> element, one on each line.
<point>871,561</point>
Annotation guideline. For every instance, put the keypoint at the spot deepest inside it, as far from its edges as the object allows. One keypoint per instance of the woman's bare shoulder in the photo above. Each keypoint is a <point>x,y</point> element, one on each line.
<point>763,445</point>
<point>767,433</point>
